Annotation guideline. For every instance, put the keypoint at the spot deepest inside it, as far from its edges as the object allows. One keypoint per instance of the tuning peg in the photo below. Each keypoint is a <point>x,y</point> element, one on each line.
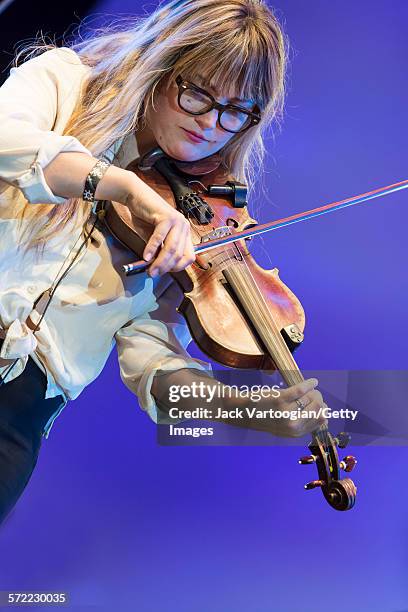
<point>348,463</point>
<point>307,460</point>
<point>314,484</point>
<point>342,439</point>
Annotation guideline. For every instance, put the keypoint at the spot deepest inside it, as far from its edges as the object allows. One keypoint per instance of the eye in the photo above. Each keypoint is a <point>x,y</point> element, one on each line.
<point>194,101</point>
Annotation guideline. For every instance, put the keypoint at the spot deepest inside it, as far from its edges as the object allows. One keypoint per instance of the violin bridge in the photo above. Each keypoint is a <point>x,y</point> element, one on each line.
<point>218,232</point>
<point>292,336</point>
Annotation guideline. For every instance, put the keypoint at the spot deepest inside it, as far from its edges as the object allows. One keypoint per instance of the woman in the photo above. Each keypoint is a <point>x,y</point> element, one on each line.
<point>113,97</point>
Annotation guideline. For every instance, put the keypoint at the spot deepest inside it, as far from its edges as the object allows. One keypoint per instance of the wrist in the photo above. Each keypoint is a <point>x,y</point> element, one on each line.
<point>126,184</point>
<point>136,193</point>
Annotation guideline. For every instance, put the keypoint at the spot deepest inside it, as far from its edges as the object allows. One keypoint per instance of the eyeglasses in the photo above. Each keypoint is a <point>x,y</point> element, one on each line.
<point>231,117</point>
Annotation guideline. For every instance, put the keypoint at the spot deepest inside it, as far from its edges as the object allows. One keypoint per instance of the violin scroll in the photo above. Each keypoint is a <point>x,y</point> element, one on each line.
<point>339,493</point>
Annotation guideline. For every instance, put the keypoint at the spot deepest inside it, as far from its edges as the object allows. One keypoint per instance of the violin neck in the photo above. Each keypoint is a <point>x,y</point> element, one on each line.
<point>255,307</point>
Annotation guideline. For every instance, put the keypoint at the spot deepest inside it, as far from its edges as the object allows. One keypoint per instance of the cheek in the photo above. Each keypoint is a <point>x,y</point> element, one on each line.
<point>167,113</point>
<point>224,137</point>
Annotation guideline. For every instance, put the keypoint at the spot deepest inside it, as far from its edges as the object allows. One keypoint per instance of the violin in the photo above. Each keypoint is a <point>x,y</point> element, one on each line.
<point>238,313</point>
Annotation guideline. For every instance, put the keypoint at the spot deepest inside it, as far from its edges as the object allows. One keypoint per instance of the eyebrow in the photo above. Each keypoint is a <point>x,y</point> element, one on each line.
<point>217,93</point>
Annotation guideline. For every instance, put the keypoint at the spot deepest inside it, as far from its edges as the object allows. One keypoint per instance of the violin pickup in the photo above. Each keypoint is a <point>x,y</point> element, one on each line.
<point>292,336</point>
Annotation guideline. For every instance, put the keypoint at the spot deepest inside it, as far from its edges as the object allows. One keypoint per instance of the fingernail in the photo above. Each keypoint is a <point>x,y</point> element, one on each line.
<point>154,273</point>
<point>147,257</point>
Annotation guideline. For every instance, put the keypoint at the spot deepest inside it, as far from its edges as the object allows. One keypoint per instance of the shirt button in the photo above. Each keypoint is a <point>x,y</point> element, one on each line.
<point>96,284</point>
<point>31,289</point>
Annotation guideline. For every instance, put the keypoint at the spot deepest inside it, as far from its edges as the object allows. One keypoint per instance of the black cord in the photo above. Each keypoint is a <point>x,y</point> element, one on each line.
<point>84,244</point>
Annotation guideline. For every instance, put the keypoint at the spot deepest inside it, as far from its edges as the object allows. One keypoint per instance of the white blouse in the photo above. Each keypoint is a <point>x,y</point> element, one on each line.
<point>96,306</point>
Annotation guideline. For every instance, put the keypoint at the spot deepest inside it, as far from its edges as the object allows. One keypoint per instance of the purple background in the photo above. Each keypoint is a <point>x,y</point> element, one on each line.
<point>123,524</point>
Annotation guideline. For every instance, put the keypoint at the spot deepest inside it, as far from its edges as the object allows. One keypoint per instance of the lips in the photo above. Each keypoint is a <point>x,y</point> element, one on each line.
<point>195,136</point>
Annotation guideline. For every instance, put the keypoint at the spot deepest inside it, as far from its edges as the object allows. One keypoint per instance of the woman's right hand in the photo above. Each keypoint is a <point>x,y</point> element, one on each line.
<point>170,247</point>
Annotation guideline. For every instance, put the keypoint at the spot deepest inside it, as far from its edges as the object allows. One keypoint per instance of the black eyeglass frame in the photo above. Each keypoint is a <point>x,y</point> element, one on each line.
<point>254,116</point>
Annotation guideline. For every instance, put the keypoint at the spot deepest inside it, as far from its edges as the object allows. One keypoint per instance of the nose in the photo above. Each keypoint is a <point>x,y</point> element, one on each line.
<point>208,120</point>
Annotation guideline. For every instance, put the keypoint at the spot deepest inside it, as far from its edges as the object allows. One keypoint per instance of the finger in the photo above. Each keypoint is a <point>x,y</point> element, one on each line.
<point>314,397</point>
<point>156,240</point>
<point>297,391</point>
<point>180,247</point>
<point>300,428</point>
<point>182,264</point>
<point>171,252</point>
<point>315,419</point>
<point>188,257</point>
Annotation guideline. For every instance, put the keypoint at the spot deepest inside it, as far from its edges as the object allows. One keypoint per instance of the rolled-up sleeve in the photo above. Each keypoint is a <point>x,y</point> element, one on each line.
<point>155,341</point>
<point>36,101</point>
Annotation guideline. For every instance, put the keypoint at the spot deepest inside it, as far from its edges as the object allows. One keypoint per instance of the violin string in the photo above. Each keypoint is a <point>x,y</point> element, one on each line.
<point>231,259</point>
<point>296,374</point>
<point>285,354</point>
<point>283,349</point>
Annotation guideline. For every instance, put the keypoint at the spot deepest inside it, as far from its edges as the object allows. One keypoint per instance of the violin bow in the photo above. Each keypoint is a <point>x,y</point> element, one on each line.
<point>141,265</point>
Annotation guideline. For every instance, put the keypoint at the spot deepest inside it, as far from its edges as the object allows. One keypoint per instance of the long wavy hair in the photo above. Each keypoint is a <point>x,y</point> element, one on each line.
<point>236,45</point>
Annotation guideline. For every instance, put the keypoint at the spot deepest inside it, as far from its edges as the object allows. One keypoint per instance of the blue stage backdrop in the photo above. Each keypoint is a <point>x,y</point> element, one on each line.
<point>124,524</point>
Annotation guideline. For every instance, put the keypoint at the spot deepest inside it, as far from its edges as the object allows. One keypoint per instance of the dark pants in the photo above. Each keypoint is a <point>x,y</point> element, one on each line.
<point>23,415</point>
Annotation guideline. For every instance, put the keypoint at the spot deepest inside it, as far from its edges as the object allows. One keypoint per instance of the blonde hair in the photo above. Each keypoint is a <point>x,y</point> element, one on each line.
<point>236,42</point>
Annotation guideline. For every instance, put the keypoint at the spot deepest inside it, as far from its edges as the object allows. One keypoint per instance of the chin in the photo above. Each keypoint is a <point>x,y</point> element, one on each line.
<point>185,152</point>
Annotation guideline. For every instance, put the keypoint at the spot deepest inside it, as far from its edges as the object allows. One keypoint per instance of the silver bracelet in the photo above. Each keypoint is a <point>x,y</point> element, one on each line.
<point>93,178</point>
